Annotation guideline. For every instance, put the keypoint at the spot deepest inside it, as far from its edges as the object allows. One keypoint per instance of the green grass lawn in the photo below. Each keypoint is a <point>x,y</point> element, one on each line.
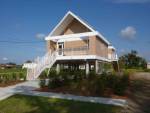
<point>34,104</point>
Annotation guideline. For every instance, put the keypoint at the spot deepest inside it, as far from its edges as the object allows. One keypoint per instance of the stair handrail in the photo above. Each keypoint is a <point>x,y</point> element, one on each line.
<point>41,63</point>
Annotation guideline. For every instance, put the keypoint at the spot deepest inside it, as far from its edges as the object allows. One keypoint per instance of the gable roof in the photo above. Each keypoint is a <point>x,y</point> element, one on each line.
<point>66,20</point>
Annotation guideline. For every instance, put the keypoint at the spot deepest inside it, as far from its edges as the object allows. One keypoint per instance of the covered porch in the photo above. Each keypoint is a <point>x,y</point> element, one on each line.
<point>87,66</point>
<point>70,44</point>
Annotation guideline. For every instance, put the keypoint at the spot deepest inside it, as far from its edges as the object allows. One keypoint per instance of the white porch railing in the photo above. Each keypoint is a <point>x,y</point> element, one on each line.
<point>83,50</point>
<point>35,69</point>
<point>113,56</point>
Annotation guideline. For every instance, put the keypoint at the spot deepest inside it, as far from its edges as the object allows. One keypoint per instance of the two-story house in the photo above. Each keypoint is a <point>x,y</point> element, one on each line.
<point>73,44</point>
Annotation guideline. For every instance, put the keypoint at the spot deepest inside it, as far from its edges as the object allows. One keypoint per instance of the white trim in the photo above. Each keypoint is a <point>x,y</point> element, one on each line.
<point>80,20</point>
<point>29,65</point>
<point>70,39</point>
<point>69,13</point>
<point>111,47</point>
<point>62,45</point>
<point>82,57</point>
<point>103,38</point>
<point>77,35</point>
<point>85,24</point>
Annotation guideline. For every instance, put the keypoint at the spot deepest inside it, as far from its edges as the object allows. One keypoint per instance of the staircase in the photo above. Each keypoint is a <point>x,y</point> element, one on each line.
<point>40,64</point>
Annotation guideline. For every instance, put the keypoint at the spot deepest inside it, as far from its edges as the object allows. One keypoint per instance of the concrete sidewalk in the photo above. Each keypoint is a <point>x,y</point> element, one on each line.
<point>21,87</point>
<point>27,88</point>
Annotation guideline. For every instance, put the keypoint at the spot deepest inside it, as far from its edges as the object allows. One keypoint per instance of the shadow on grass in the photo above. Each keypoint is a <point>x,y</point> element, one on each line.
<point>35,104</point>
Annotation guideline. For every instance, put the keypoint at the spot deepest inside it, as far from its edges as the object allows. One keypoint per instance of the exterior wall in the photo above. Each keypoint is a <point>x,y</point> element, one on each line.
<point>75,45</point>
<point>111,53</point>
<point>101,48</point>
<point>75,27</point>
<point>51,46</point>
<point>148,65</point>
<point>92,47</point>
<point>98,47</point>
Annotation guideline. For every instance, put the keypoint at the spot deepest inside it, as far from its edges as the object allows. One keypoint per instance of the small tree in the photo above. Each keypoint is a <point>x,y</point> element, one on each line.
<point>132,60</point>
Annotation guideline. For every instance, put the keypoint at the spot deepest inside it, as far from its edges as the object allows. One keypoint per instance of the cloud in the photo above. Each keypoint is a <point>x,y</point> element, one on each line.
<point>40,35</point>
<point>4,58</point>
<point>128,33</point>
<point>131,1</point>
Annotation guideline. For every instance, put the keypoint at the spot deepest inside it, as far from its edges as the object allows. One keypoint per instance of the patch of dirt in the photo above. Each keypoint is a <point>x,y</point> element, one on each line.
<point>67,90</point>
<point>139,97</point>
<point>10,83</point>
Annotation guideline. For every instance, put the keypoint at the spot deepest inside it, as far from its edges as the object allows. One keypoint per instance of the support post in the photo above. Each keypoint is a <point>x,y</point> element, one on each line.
<point>96,67</point>
<point>57,68</point>
<point>87,68</point>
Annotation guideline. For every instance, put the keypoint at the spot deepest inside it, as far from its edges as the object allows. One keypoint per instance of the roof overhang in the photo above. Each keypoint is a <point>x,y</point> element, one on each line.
<point>111,47</point>
<point>76,36</point>
<point>64,23</point>
<point>72,36</point>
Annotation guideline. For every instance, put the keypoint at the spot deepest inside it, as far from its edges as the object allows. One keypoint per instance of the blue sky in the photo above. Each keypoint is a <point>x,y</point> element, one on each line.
<point>125,23</point>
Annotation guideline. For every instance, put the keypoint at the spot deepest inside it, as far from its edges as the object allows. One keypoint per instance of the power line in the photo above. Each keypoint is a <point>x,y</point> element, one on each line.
<point>20,42</point>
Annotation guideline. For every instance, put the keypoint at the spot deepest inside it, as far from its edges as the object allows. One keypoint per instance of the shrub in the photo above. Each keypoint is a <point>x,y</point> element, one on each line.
<point>22,76</point>
<point>54,83</point>
<point>42,83</point>
<point>1,78</point>
<point>100,87</point>
<point>83,86</point>
<point>43,75</point>
<point>79,75</point>
<point>111,80</point>
<point>97,87</point>
<point>66,78</point>
<point>14,77</point>
<point>92,75</point>
<point>52,74</point>
<point>121,85</point>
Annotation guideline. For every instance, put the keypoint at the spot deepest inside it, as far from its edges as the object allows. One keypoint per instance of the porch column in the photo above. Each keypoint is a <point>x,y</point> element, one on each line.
<point>57,68</point>
<point>87,68</point>
<point>96,66</point>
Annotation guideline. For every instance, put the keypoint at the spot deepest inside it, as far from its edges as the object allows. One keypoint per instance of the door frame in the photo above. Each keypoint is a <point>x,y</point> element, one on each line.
<point>62,45</point>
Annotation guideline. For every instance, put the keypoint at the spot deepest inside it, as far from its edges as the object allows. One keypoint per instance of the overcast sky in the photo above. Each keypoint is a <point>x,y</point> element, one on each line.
<point>125,23</point>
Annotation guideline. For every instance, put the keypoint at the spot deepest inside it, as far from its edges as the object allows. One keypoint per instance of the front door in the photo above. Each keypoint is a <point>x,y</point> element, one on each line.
<point>60,48</point>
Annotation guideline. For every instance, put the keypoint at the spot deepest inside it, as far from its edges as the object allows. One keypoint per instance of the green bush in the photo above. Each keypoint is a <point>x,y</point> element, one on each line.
<point>112,80</point>
<point>54,83</point>
<point>100,87</point>
<point>121,85</point>
<point>22,76</point>
<point>11,77</point>
<point>79,75</point>
<point>52,74</point>
<point>92,85</point>
<point>92,75</point>
<point>64,75</point>
<point>43,75</point>
<point>83,86</point>
<point>42,83</point>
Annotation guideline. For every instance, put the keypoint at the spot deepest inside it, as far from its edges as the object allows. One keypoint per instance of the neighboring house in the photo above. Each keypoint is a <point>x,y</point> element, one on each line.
<point>76,45</point>
<point>7,65</point>
<point>148,65</point>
